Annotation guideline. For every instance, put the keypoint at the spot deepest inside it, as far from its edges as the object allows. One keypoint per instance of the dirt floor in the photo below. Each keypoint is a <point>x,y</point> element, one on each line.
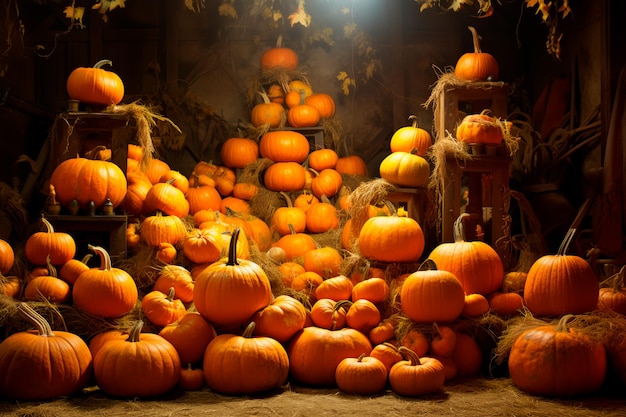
<point>476,397</point>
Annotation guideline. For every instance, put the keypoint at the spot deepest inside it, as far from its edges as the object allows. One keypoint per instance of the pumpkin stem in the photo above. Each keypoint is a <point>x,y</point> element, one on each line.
<point>566,241</point>
<point>413,120</point>
<point>232,248</point>
<point>105,259</point>
<point>135,332</point>
<point>102,63</point>
<point>49,227</point>
<point>52,271</point>
<point>475,39</point>
<point>410,355</point>
<point>428,265</point>
<point>287,198</point>
<point>562,324</point>
<point>458,231</point>
<point>279,41</point>
<point>171,294</point>
<point>36,319</point>
<point>360,358</point>
<point>249,330</point>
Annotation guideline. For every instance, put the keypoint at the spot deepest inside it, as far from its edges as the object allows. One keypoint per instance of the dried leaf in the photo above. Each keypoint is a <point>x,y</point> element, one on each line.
<point>300,16</point>
<point>370,69</point>
<point>457,4</point>
<point>227,9</point>
<point>69,12</point>
<point>324,35</point>
<point>348,30</point>
<point>347,82</point>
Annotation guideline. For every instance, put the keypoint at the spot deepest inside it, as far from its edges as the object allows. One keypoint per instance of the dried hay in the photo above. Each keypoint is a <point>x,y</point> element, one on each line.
<point>266,77</point>
<point>370,192</point>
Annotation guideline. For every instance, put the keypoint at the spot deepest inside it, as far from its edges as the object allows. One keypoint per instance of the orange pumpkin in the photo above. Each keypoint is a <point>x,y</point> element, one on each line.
<point>284,146</point>
<point>351,165</point>
<point>157,229</point>
<point>279,57</point>
<point>411,139</point>
<point>177,277</point>
<point>405,169</point>
<point>281,319</point>
<point>303,115</point>
<point>58,247</point>
<point>7,257</point>
<point>239,152</point>
<point>365,375</point>
<point>415,376</point>
<point>324,104</point>
<point>477,65</point>
<point>95,85</point>
<point>479,128</point>
<point>327,183</point>
<point>162,308</point>
<point>267,113</point>
<point>190,335</point>
<point>321,159</point>
<point>284,176</point>
<point>87,180</point>
<point>167,199</point>
<point>286,219</point>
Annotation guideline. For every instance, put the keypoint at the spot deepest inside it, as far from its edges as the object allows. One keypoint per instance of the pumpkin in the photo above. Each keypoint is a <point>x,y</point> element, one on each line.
<point>306,283</point>
<point>383,331</point>
<point>476,264</point>
<point>281,319</point>
<point>327,183</point>
<point>284,146</point>
<point>284,219</point>
<point>374,289</point>
<point>514,281</point>
<point>557,360</point>
<point>295,245</point>
<point>479,128</point>
<point>322,217</point>
<point>387,353</point>
<point>244,364</point>
<point>87,180</point>
<point>203,245</point>
<point>467,356</point>
<point>267,113</point>
<point>190,378</point>
<point>415,376</point>
<point>137,189</point>
<point>159,228</point>
<point>432,295</point>
<point>105,292</point>
<point>7,257</point>
<point>303,115</point>
<point>100,339</point>
<point>167,199</point>
<point>190,335</point>
<point>477,65</point>
<point>43,364</point>
<point>365,375</point>
<point>363,315</point>
<point>443,341</point>
<point>245,190</point>
<point>203,197</point>
<point>335,288</point>
<point>395,238</point>
<point>177,179</point>
<point>144,365</point>
<point>506,303</point>
<point>561,284</point>
<point>304,200</point>
<point>612,294</point>
<point>411,139</point>
<point>475,305</point>
<point>162,308</point>
<point>95,85</point>
<point>156,169</point>
<point>231,290</point>
<point>239,152</point>
<point>279,57</point>
<point>177,277</point>
<point>405,169</point>
<point>284,176</point>
<point>327,313</point>
<point>323,102</point>
<point>47,288</point>
<point>315,353</point>
<point>415,340</point>
<point>351,165</point>
<point>276,93</point>
<point>60,247</point>
<point>301,86</point>
<point>10,286</point>
<point>325,260</point>
<point>321,159</point>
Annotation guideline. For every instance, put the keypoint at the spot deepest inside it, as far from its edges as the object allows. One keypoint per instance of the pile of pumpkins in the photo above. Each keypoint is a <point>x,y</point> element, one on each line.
<point>222,325</point>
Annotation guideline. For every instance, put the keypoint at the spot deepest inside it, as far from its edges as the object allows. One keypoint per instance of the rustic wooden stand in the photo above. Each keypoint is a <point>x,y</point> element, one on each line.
<point>79,132</point>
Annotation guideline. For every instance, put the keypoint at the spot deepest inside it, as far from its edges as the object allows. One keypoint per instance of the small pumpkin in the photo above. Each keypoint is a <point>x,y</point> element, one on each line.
<point>411,139</point>
<point>177,277</point>
<point>286,218</point>
<point>190,378</point>
<point>324,104</point>
<point>95,85</point>
<point>322,159</point>
<point>295,245</point>
<point>59,247</point>
<point>267,113</point>
<point>7,257</point>
<point>480,128</point>
<point>365,375</point>
<point>415,376</point>
<point>612,294</point>
<point>167,199</point>
<point>351,165</point>
<point>47,288</point>
<point>476,65</point>
<point>162,308</point>
<point>281,319</point>
<point>239,152</point>
<point>105,292</point>
<point>190,335</point>
<point>327,183</point>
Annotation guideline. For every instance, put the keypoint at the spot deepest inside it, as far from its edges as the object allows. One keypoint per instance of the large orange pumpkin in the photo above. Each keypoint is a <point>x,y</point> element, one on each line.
<point>405,169</point>
<point>557,360</point>
<point>231,290</point>
<point>284,146</point>
<point>239,152</point>
<point>411,139</point>
<point>43,364</point>
<point>95,85</point>
<point>279,57</point>
<point>284,176</point>
<point>86,180</point>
